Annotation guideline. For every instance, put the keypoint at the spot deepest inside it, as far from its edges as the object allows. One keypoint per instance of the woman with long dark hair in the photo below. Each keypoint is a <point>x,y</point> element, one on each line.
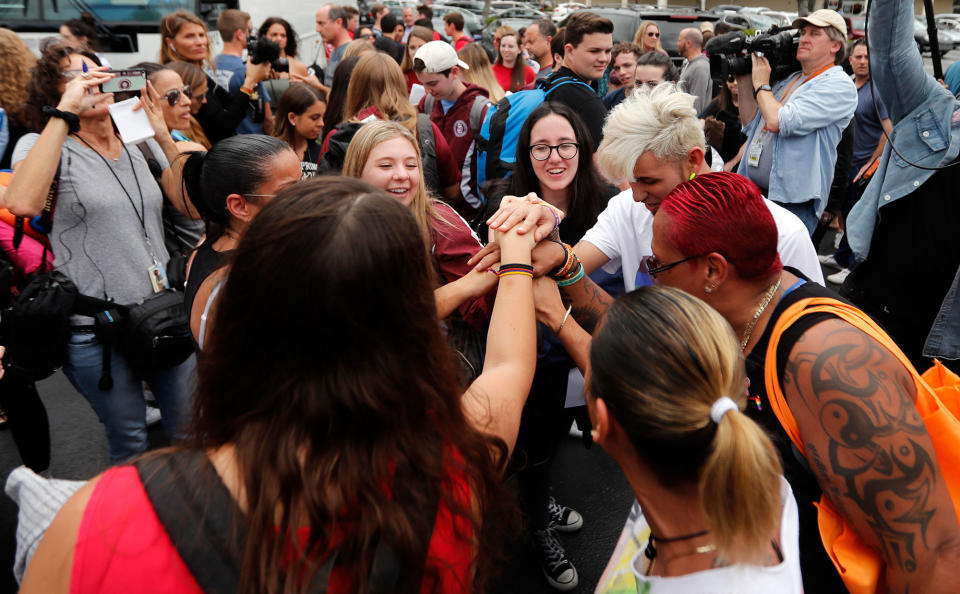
<point>510,69</point>
<point>554,161</point>
<point>281,32</point>
<point>229,185</point>
<point>337,99</point>
<point>348,436</point>
<point>107,233</point>
<point>299,122</point>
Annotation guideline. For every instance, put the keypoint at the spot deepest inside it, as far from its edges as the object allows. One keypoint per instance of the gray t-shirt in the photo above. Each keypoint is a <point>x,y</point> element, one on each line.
<point>97,238</point>
<point>336,56</point>
<point>695,79</point>
<point>760,174</point>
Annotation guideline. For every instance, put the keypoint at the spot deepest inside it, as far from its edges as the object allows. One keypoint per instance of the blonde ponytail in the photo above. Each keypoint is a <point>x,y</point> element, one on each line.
<point>660,361</point>
<point>740,488</point>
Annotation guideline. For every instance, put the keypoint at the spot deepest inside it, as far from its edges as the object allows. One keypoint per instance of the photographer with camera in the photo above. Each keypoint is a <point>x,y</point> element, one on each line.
<point>236,30</point>
<point>799,119</point>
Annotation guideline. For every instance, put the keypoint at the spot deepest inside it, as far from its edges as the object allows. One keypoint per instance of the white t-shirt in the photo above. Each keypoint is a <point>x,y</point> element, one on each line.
<point>624,232</point>
<point>625,572</point>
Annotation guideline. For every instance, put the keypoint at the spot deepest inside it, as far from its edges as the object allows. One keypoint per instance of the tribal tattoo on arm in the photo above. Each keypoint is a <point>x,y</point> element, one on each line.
<point>869,449</point>
<point>590,302</point>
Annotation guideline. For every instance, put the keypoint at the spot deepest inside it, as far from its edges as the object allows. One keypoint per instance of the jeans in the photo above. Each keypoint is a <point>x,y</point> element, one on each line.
<point>805,211</point>
<point>122,409</point>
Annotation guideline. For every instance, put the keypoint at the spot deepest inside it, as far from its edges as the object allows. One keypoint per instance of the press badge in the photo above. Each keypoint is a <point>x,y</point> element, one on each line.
<point>158,278</point>
<point>753,153</point>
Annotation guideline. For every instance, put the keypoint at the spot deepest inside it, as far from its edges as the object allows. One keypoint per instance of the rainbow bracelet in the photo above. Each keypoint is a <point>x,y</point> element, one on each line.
<point>575,277</point>
<point>512,269</point>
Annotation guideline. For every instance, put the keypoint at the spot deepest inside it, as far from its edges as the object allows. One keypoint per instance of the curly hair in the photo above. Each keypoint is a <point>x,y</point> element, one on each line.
<point>14,73</point>
<point>291,48</point>
<point>45,77</point>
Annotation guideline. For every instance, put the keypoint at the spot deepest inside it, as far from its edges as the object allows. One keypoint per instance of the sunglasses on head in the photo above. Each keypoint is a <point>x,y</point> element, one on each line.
<point>173,95</point>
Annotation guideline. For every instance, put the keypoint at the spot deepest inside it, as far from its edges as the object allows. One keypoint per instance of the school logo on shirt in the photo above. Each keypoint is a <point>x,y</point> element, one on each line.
<point>460,128</point>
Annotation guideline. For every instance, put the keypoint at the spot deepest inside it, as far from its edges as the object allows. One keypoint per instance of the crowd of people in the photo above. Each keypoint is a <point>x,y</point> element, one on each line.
<point>392,311</point>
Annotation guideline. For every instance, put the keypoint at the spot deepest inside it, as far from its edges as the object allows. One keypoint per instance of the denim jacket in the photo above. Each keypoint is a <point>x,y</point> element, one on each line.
<point>926,130</point>
<point>811,122</point>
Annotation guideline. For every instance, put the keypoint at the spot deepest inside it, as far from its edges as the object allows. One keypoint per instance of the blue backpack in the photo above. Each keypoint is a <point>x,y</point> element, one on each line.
<point>497,140</point>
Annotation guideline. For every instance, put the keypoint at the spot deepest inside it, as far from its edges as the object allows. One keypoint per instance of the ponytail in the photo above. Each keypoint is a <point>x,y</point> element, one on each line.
<point>740,488</point>
<point>193,187</point>
<point>669,409</point>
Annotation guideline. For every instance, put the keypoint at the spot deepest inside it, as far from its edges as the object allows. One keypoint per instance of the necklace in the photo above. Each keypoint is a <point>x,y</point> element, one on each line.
<point>694,551</point>
<point>651,550</point>
<point>756,316</point>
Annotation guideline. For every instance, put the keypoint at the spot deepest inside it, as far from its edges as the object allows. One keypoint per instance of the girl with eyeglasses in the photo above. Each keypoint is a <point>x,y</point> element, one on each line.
<point>648,37</point>
<point>107,233</point>
<point>555,162</point>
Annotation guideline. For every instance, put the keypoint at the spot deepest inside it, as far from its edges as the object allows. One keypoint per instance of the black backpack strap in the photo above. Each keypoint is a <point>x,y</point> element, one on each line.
<point>199,514</point>
<point>46,215</point>
<point>428,148</point>
<point>155,170</point>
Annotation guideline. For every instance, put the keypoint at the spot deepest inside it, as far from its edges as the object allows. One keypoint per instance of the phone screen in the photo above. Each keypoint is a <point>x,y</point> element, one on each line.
<point>125,81</point>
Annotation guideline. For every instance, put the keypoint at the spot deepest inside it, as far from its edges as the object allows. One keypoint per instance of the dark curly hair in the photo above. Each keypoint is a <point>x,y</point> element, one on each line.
<point>291,48</point>
<point>45,77</point>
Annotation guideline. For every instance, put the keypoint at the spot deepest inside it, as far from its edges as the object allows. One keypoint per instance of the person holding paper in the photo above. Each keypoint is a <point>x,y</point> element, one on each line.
<point>107,233</point>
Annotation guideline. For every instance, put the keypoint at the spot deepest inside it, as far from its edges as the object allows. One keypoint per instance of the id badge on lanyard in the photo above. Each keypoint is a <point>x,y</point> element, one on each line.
<point>755,150</point>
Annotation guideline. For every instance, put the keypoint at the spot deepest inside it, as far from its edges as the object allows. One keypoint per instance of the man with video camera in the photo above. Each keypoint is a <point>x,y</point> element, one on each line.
<point>793,126</point>
<point>235,28</point>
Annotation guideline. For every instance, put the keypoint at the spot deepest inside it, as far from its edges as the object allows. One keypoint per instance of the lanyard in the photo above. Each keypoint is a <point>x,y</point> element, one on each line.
<point>790,89</point>
<point>141,214</point>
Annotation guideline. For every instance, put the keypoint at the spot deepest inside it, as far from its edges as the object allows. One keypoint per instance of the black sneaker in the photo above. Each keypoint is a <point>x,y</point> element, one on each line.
<point>560,573</point>
<point>562,517</point>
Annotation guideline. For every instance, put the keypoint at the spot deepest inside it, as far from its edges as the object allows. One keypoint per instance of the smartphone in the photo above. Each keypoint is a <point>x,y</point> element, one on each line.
<point>125,81</point>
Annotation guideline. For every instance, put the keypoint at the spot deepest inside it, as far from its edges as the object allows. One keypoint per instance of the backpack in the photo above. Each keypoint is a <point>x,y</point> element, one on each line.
<point>500,131</point>
<point>938,404</point>
<point>477,108</point>
<point>332,160</point>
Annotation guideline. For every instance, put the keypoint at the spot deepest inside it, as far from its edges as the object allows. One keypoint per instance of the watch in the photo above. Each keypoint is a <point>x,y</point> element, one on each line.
<point>72,119</point>
<point>761,88</point>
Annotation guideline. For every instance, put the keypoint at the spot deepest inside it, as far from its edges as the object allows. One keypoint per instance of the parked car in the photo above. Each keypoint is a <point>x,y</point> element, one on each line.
<point>562,11</point>
<point>784,19</point>
<point>856,26</point>
<point>946,39</point>
<point>472,22</point>
<point>521,13</point>
<point>750,22</point>
<point>722,8</point>
<point>626,21</point>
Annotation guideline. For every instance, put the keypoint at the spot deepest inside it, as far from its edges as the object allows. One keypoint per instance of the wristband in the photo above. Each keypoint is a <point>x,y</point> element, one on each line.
<point>247,92</point>
<point>72,119</point>
<point>567,264</point>
<point>512,269</point>
<point>573,278</point>
<point>553,211</point>
<point>761,88</point>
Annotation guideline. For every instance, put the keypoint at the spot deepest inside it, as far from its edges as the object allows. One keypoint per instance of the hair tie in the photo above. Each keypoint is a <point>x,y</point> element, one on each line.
<point>722,406</point>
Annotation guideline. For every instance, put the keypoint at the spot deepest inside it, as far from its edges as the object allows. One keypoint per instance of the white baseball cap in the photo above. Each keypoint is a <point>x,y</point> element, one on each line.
<point>438,56</point>
<point>823,18</point>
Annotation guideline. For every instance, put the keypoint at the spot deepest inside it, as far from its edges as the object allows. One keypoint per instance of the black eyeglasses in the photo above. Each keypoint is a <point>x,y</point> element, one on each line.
<point>566,150</point>
<point>652,267</point>
<point>173,95</point>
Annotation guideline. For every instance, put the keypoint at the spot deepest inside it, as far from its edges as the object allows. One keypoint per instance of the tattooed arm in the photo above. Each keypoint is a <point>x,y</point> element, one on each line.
<point>871,454</point>
<point>589,302</point>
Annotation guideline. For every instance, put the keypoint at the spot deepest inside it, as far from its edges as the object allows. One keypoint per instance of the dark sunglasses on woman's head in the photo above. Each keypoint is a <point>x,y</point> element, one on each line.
<point>173,95</point>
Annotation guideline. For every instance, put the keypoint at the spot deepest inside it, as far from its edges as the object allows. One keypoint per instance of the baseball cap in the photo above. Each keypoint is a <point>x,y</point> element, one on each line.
<point>706,26</point>
<point>823,18</point>
<point>438,56</point>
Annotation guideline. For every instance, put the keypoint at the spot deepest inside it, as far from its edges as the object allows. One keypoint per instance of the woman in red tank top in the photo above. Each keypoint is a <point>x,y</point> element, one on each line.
<point>328,408</point>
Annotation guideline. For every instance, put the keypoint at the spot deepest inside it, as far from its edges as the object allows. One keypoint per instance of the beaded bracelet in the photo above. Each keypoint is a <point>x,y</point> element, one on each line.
<point>568,268</point>
<point>572,278</point>
<point>567,264</point>
<point>511,269</point>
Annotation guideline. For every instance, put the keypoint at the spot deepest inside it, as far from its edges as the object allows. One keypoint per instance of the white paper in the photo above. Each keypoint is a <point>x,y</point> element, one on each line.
<point>416,93</point>
<point>575,393</point>
<point>134,126</point>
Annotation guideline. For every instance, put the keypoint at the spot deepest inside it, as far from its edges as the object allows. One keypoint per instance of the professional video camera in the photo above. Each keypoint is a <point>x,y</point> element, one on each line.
<point>261,49</point>
<point>730,52</point>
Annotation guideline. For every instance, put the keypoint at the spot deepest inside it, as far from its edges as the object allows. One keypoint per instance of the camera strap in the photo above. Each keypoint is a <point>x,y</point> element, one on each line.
<point>790,88</point>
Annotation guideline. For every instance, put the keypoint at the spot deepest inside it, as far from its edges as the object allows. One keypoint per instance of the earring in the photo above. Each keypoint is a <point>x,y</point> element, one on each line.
<point>594,434</point>
<point>692,175</point>
<point>709,288</point>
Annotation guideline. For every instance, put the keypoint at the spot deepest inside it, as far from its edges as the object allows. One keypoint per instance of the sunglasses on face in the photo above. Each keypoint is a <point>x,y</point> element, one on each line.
<point>173,95</point>
<point>652,34</point>
<point>650,266</point>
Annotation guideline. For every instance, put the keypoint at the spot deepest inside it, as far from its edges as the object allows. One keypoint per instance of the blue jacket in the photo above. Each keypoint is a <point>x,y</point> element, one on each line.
<point>805,150</point>
<point>926,130</point>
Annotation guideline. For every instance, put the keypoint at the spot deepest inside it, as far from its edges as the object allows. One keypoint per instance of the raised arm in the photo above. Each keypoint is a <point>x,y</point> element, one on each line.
<point>31,179</point>
<point>870,451</point>
<point>494,401</point>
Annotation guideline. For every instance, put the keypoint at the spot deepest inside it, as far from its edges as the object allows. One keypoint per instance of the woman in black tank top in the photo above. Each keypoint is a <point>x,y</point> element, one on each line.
<point>865,449</point>
<point>228,185</point>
